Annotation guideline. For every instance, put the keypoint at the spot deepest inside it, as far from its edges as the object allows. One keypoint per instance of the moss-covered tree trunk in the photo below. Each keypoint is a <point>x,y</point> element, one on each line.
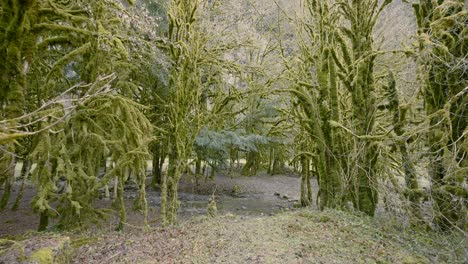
<point>442,31</point>
<point>183,103</point>
<point>339,61</point>
<point>271,160</point>
<point>17,46</point>
<point>277,161</point>
<point>174,172</point>
<point>306,191</point>
<point>252,163</point>
<point>198,170</point>
<point>320,103</point>
<point>158,160</point>
<point>25,175</point>
<point>355,55</point>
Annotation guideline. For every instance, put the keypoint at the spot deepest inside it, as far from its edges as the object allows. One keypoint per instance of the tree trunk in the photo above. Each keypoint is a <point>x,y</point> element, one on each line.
<point>251,165</point>
<point>169,194</point>
<point>164,196</point>
<point>306,193</point>
<point>43,221</point>
<point>7,174</point>
<point>158,161</point>
<point>198,171</point>
<point>25,173</point>
<point>123,214</point>
<point>271,159</point>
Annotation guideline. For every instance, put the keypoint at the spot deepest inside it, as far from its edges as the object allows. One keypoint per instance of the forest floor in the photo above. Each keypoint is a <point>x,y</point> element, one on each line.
<point>257,195</point>
<point>256,223</point>
<point>301,236</point>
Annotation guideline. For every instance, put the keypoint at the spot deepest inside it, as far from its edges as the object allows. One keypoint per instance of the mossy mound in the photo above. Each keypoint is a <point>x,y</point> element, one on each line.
<point>40,250</point>
<point>43,256</point>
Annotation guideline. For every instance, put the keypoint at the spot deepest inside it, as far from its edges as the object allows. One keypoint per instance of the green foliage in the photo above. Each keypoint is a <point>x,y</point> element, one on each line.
<point>215,147</point>
<point>105,126</point>
<point>58,44</point>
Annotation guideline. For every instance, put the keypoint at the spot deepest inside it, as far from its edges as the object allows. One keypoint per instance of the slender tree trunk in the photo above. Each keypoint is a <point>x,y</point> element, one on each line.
<point>198,170</point>
<point>164,195</point>
<point>271,159</point>
<point>306,195</point>
<point>123,214</point>
<point>25,174</point>
<point>43,221</point>
<point>309,187</point>
<point>251,165</point>
<point>108,163</point>
<point>142,199</point>
<point>156,179</point>
<point>116,187</point>
<point>174,174</point>
<point>7,174</point>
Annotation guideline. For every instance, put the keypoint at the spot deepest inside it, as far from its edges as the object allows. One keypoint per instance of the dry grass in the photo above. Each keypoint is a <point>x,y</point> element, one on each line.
<point>302,236</point>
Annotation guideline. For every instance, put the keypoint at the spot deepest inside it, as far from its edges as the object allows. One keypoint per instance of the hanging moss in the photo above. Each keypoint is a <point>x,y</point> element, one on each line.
<point>339,56</point>
<point>82,41</point>
<point>440,25</point>
<point>76,150</point>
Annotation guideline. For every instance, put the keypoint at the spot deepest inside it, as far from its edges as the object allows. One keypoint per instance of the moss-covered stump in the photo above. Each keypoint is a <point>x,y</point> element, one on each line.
<point>40,250</point>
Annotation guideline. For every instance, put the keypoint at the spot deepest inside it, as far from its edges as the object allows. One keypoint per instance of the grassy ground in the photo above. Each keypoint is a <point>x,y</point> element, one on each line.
<point>301,236</point>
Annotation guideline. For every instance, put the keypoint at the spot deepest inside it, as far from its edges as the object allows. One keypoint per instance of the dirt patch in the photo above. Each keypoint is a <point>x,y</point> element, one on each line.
<point>13,223</point>
<point>288,184</point>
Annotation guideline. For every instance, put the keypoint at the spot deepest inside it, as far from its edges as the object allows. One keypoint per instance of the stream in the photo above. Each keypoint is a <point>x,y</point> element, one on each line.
<point>245,204</point>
